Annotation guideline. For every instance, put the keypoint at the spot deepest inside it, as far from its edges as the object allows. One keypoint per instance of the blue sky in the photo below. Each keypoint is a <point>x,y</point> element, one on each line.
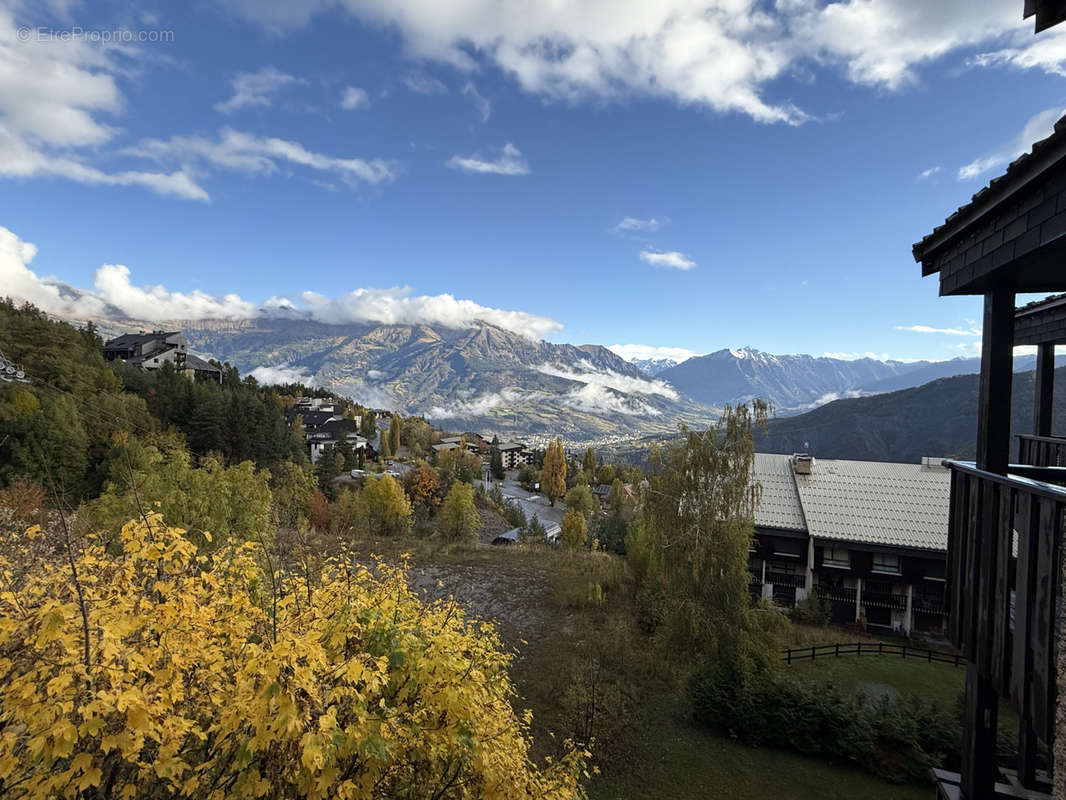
<point>775,162</point>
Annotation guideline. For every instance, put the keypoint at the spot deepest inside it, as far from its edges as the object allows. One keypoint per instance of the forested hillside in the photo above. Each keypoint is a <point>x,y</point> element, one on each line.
<point>58,428</point>
<point>937,419</point>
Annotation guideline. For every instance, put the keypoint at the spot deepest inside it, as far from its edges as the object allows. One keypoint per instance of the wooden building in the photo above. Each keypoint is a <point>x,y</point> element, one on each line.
<point>1006,520</point>
<point>869,536</point>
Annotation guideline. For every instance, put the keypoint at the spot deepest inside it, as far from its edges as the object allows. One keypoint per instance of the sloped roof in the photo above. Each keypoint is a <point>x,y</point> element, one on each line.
<point>193,361</point>
<point>867,502</point>
<point>876,502</point>
<point>1023,168</point>
<point>780,505</point>
<point>131,339</point>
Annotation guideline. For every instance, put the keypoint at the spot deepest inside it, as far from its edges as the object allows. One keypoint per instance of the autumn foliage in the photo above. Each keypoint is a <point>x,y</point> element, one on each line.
<point>163,672</point>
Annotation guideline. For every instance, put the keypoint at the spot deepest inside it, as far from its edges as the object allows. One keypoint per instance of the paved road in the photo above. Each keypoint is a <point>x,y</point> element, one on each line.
<point>531,503</point>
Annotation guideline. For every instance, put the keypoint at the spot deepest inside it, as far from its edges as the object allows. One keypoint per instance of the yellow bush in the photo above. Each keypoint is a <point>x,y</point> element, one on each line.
<point>165,673</point>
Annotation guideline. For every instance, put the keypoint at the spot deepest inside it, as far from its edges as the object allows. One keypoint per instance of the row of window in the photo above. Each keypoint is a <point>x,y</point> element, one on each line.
<point>885,563</point>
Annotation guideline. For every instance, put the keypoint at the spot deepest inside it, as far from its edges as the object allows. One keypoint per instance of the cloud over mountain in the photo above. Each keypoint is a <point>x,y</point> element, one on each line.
<point>114,294</point>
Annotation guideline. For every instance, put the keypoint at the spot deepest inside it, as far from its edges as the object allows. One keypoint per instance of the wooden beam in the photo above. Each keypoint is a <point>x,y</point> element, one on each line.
<point>993,454</point>
<point>997,372</point>
<point>1043,388</point>
<point>979,770</point>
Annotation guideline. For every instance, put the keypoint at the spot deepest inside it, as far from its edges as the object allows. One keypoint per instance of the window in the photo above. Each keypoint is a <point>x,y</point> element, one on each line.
<point>886,563</point>
<point>836,557</point>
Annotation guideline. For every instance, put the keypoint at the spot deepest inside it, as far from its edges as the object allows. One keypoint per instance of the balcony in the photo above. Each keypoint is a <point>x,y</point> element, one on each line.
<point>1005,532</point>
<point>880,594</point>
<point>1041,451</point>
<point>837,594</point>
<point>785,579</point>
<point>928,604</point>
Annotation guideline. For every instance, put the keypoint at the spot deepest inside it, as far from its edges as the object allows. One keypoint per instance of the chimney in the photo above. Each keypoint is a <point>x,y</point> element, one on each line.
<point>802,463</point>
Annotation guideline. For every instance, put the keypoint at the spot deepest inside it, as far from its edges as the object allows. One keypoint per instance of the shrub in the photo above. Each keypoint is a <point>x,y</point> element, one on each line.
<point>811,610</point>
<point>160,673</point>
<point>513,513</point>
<point>898,740</point>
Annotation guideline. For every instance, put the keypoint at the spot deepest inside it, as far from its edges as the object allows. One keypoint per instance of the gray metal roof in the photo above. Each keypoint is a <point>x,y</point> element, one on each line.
<point>876,502</point>
<point>867,502</point>
<point>780,505</point>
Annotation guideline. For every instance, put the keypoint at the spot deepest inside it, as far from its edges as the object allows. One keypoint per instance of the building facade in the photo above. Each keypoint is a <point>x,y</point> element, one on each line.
<point>869,537</point>
<point>150,351</point>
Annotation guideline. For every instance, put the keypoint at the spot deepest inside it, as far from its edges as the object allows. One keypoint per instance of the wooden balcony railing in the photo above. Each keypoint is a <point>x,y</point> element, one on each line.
<point>989,512</point>
<point>928,604</point>
<point>1041,451</point>
<point>837,594</point>
<point>784,579</point>
<point>884,600</point>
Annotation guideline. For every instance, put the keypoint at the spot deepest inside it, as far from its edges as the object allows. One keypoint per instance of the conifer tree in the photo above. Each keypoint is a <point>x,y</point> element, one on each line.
<point>589,466</point>
<point>496,460</point>
<point>394,434</point>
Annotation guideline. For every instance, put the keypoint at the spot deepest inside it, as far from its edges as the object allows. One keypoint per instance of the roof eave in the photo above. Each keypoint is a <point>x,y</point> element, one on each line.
<point>1023,171</point>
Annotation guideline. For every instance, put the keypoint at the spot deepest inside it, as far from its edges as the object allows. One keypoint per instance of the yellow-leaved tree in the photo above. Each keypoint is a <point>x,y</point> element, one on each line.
<point>161,672</point>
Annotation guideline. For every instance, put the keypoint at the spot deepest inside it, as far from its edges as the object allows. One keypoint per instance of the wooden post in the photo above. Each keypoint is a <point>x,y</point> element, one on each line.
<point>979,737</point>
<point>858,599</point>
<point>1043,389</point>
<point>997,372</point>
<point>908,613</point>
<point>993,454</point>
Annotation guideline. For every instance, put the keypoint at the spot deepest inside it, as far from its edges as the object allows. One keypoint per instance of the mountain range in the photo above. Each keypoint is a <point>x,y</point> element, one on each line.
<point>936,419</point>
<point>482,378</point>
<point>490,379</point>
<point>797,383</point>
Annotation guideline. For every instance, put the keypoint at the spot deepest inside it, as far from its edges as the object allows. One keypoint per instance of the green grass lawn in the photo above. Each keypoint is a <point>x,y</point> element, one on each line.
<point>938,682</point>
<point>680,761</point>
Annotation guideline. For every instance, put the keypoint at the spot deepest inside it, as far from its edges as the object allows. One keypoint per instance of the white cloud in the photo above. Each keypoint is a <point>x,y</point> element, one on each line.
<point>631,352</point>
<point>643,225</point>
<point>1046,52</point>
<point>19,282</point>
<point>672,259</point>
<point>57,96</point>
<point>949,331</point>
<point>375,374</point>
<point>398,306</point>
<point>261,155</point>
<point>609,379</point>
<point>420,83</point>
<point>255,89</point>
<point>928,173</point>
<point>510,162</point>
<point>599,399</point>
<point>869,354</point>
<point>19,160</point>
<point>354,98</point>
<point>721,55</point>
<point>51,89</point>
<point>483,106</point>
<point>281,375</point>
<point>829,397</point>
<point>112,283</point>
<point>481,405</point>
<point>113,287</point>
<point>1039,126</point>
